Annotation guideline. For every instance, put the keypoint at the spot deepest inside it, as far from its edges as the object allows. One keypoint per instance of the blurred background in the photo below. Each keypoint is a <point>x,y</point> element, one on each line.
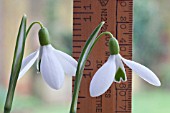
<point>150,47</point>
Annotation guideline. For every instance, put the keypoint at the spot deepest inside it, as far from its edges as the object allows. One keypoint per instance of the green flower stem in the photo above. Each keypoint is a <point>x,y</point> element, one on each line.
<point>17,60</point>
<point>32,26</point>
<point>81,63</point>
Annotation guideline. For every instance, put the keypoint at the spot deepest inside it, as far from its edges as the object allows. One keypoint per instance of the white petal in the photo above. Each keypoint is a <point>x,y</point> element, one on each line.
<point>28,62</point>
<point>39,59</point>
<point>51,69</point>
<point>103,78</point>
<point>119,63</point>
<point>68,63</point>
<point>143,72</point>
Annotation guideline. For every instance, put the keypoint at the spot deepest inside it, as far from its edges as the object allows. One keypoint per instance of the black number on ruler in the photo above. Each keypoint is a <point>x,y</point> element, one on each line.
<point>123,18</point>
<point>122,93</point>
<point>87,18</point>
<point>123,4</point>
<point>99,63</point>
<point>108,93</point>
<point>122,48</point>
<point>122,85</point>
<point>122,40</point>
<point>123,107</point>
<point>87,7</point>
<point>122,26</point>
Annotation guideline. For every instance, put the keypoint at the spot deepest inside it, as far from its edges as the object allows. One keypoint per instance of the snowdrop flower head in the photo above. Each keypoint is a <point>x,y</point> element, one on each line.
<point>113,71</point>
<point>53,64</point>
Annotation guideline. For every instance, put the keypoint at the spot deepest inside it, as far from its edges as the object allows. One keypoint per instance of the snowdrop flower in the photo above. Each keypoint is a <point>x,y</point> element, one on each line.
<point>53,63</point>
<point>114,71</point>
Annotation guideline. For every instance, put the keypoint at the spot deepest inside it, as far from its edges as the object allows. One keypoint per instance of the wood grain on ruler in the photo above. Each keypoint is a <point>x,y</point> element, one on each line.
<point>117,14</point>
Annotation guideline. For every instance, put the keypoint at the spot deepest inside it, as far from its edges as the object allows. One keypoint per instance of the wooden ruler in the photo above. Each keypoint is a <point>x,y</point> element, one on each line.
<point>118,15</point>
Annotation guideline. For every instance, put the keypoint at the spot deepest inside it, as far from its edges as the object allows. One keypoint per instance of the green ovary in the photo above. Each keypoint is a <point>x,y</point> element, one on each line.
<point>114,46</point>
<point>44,36</point>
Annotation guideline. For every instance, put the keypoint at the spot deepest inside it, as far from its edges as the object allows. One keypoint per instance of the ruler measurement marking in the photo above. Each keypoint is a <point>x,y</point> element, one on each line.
<point>76,18</point>
<point>83,12</point>
<point>76,52</point>
<point>76,24</point>
<point>77,1</point>
<point>122,22</point>
<point>78,29</point>
<point>75,35</point>
<point>76,46</point>
<point>79,40</point>
<point>76,7</point>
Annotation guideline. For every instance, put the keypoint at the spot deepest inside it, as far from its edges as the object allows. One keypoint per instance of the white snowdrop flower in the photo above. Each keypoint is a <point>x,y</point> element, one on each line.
<point>114,71</point>
<point>54,64</point>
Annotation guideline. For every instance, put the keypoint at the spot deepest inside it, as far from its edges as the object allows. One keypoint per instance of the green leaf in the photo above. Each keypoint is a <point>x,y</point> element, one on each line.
<point>17,61</point>
<point>81,64</point>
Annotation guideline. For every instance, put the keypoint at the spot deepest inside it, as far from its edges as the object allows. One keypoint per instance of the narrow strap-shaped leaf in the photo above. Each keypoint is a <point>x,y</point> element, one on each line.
<point>81,64</point>
<point>17,60</point>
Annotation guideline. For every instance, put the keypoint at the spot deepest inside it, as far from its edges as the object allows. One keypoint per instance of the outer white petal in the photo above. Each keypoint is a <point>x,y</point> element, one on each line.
<point>28,62</point>
<point>51,69</point>
<point>68,63</point>
<point>143,72</point>
<point>119,63</point>
<point>103,78</point>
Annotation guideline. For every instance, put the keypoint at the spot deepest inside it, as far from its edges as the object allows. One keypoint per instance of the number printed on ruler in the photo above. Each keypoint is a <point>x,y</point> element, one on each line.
<point>118,17</point>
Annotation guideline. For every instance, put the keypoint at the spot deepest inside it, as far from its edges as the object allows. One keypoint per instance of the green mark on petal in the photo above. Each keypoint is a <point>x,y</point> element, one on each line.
<point>44,36</point>
<point>120,74</point>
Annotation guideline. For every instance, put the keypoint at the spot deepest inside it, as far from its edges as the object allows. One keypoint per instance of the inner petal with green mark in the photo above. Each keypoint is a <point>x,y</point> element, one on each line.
<point>120,75</point>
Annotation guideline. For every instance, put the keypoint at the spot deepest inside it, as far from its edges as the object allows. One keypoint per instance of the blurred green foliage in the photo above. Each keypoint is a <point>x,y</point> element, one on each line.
<point>31,104</point>
<point>143,102</point>
<point>149,43</point>
<point>151,102</point>
<point>2,98</point>
<point>147,32</point>
<point>61,34</point>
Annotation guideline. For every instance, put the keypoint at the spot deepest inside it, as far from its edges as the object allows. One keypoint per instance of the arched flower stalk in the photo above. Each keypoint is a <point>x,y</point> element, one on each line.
<point>112,71</point>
